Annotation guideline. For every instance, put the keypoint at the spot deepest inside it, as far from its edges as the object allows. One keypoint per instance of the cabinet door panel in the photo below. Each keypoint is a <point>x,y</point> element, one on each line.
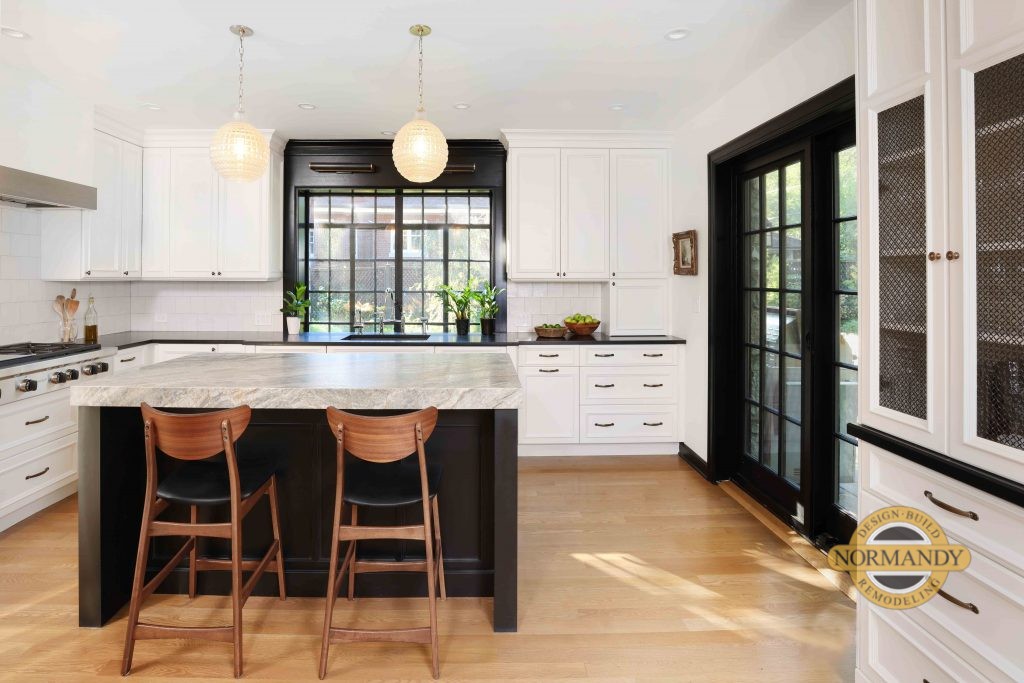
<point>192,233</point>
<point>980,26</point>
<point>156,212</point>
<point>102,238</point>
<point>131,222</point>
<point>242,230</point>
<point>584,222</point>
<point>550,409</point>
<point>639,307</point>
<point>639,212</point>
<point>897,29</point>
<point>534,213</point>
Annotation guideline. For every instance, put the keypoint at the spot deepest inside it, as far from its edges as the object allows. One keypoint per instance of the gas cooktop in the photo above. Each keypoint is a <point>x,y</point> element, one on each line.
<point>24,352</point>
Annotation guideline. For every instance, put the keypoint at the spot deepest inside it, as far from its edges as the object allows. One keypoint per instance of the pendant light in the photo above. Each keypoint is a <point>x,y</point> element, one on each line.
<point>420,151</point>
<point>239,151</point>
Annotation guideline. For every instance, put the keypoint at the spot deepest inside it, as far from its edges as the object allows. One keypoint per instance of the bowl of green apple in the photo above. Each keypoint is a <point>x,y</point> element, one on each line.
<point>550,331</point>
<point>582,325</point>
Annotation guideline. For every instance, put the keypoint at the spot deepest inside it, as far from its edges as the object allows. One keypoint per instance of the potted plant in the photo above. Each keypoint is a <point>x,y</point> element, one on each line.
<point>459,302</point>
<point>488,298</point>
<point>295,306</point>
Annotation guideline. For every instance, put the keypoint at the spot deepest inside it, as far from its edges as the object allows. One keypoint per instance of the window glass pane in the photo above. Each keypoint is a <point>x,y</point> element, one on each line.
<point>341,208</point>
<point>386,279</point>
<point>848,344</point>
<point>754,374</point>
<point>458,210</point>
<point>752,204</point>
<point>432,308</point>
<point>771,380</point>
<point>480,210</point>
<point>846,273</point>
<point>771,320</point>
<point>385,244</point>
<point>364,276</point>
<point>753,445</point>
<point>846,469</point>
<point>771,199</point>
<point>433,244</point>
<point>412,306</point>
<point>846,165</point>
<point>412,210</point>
<point>480,244</point>
<point>318,311</point>
<point>793,381</point>
<point>412,244</point>
<point>770,441</point>
<point>320,208</point>
<point>365,306</point>
<point>385,210</point>
<point>341,272</point>
<point>753,252</point>
<point>791,467</point>
<point>412,276</point>
<point>771,259</point>
<point>339,307</point>
<point>316,327</point>
<point>433,209</point>
<point>341,243</point>
<point>794,324</point>
<point>458,243</point>
<point>364,243</point>
<point>458,273</point>
<point>793,197</point>
<point>480,273</point>
<point>794,259</point>
<point>320,242</point>
<point>753,301</point>
<point>433,276</point>
<point>319,276</point>
<point>847,399</point>
<point>362,209</point>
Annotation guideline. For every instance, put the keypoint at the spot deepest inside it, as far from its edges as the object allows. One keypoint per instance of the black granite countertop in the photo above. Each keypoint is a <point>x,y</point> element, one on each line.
<point>124,340</point>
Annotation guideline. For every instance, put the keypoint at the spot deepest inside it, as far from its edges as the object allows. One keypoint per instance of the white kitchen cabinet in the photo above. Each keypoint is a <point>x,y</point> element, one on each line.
<point>132,358</point>
<point>638,307</point>
<point>366,348</point>
<point>583,242</point>
<point>549,413</point>
<point>285,348</point>
<point>163,352</point>
<point>534,214</point>
<point>639,213</point>
<point>104,244</point>
<point>192,215</point>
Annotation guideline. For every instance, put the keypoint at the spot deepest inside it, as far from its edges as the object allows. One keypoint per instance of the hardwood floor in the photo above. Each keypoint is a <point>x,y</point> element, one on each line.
<point>631,569</point>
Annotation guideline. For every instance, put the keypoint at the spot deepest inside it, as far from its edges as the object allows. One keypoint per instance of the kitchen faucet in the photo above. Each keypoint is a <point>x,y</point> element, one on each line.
<point>396,321</point>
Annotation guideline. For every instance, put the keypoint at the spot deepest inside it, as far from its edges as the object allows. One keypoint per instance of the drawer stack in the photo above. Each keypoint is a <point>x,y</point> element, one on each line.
<point>593,394</point>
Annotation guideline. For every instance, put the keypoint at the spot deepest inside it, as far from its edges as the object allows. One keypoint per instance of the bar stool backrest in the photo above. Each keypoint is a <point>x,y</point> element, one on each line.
<point>382,439</point>
<point>195,436</point>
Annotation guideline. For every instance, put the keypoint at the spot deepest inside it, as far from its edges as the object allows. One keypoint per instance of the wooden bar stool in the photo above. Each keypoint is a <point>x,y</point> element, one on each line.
<point>382,477</point>
<point>195,438</point>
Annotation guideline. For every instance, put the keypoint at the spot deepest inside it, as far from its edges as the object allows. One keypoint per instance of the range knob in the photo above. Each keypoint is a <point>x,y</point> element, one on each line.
<point>91,369</point>
<point>28,385</point>
<point>103,366</point>
<point>58,378</point>
<point>71,373</point>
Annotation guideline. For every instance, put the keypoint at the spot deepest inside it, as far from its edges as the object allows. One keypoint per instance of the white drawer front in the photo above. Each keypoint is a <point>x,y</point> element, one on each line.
<point>135,357</point>
<point>24,476</point>
<point>26,423</point>
<point>629,354</point>
<point>561,354</point>
<point>997,531</point>
<point>289,348</point>
<point>628,385</point>
<point>627,424</point>
<point>894,650</point>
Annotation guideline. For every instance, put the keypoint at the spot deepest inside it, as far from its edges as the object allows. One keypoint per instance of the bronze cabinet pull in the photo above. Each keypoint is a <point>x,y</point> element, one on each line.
<point>604,386</point>
<point>548,355</point>
<point>653,424</point>
<point>37,474</point>
<point>543,370</point>
<point>934,256</point>
<point>603,355</point>
<point>129,359</point>
<point>604,424</point>
<point>952,255</point>
<point>970,514</point>
<point>653,355</point>
<point>44,418</point>
<point>969,606</point>
<point>653,386</point>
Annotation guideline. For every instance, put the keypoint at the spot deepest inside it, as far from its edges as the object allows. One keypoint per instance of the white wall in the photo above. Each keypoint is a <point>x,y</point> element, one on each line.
<point>822,58</point>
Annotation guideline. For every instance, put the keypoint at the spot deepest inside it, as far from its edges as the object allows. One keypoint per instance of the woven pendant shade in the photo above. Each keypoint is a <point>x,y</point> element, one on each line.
<point>239,151</point>
<point>420,151</point>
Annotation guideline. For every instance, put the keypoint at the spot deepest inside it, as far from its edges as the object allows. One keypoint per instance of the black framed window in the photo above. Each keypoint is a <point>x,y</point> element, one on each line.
<point>355,244</point>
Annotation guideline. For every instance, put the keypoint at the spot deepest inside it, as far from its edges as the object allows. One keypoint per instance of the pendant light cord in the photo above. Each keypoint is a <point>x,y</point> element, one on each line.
<point>241,64</point>
<point>420,107</point>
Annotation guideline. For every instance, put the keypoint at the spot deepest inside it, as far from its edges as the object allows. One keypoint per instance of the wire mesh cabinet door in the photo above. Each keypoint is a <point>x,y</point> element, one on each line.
<point>985,55</point>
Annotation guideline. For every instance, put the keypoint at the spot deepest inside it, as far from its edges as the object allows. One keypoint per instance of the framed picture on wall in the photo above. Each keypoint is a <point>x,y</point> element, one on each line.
<point>684,251</point>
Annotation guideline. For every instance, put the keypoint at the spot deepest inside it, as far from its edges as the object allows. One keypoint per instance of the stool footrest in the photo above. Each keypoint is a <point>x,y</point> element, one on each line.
<point>220,530</point>
<point>369,566</point>
<point>223,634</point>
<point>204,564</point>
<point>414,532</point>
<point>401,635</point>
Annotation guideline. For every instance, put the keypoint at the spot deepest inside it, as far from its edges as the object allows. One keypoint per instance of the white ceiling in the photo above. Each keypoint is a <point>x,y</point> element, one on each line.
<point>519,63</point>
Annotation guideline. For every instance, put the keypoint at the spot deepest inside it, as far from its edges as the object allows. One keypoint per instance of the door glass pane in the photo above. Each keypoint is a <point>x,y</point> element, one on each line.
<point>846,163</point>
<point>847,350</point>
<point>794,324</point>
<point>793,194</point>
<point>793,392</point>
<point>772,330</point>
<point>770,441</point>
<point>771,259</point>
<point>902,287</point>
<point>846,476</point>
<point>846,273</point>
<point>753,317</point>
<point>999,297</point>
<point>847,399</point>
<point>791,444</point>
<point>753,374</point>
<point>794,259</point>
<point>846,306</point>
<point>753,443</point>
<point>771,200</point>
<point>752,254</point>
<point>752,204</point>
<point>771,380</point>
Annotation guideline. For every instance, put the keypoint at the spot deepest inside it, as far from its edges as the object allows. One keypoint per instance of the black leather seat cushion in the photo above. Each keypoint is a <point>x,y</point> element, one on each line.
<point>205,482</point>
<point>388,484</point>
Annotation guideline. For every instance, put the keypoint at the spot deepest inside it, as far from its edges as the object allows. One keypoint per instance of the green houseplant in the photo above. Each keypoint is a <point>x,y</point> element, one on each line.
<point>295,306</point>
<point>488,298</point>
<point>459,302</point>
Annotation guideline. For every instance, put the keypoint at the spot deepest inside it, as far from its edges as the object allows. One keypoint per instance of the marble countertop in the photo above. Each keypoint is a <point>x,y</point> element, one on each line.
<point>364,381</point>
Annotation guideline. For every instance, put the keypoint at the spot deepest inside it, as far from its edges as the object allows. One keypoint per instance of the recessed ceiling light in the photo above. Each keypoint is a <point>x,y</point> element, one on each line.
<point>388,132</point>
<point>152,107</point>
<point>307,105</point>
<point>14,33</point>
<point>462,105</point>
<point>677,34</point>
<point>617,107</point>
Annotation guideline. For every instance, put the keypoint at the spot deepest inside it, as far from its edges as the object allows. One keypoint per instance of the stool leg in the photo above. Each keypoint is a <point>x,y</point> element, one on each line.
<point>275,523</point>
<point>431,593</point>
<point>236,591</point>
<point>332,595</point>
<point>440,554</point>
<point>352,563</point>
<point>193,516</point>
<point>138,582</point>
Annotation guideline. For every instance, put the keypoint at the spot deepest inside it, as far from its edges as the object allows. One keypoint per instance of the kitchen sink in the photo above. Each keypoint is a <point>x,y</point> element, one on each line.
<point>409,337</point>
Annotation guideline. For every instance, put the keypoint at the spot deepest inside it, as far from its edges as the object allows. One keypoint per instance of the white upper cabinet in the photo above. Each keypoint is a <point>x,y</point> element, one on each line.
<point>535,212</point>
<point>584,217</point>
<point>199,226</point>
<point>639,213</point>
<point>638,307</point>
<point>103,244</point>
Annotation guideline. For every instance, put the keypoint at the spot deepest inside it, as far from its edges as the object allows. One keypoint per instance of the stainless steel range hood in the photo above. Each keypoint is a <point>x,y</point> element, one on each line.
<point>40,191</point>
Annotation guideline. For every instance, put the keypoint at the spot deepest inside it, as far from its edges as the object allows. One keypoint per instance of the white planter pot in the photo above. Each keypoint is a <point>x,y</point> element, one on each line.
<point>293,324</point>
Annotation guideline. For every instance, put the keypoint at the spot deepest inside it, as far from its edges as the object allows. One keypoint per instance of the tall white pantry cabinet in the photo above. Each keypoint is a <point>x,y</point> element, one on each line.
<point>940,87</point>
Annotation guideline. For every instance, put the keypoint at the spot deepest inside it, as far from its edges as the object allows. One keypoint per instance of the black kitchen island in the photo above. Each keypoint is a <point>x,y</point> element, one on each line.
<point>475,441</point>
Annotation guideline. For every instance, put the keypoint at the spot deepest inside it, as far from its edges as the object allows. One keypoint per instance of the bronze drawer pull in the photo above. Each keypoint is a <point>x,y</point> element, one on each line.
<point>44,418</point>
<point>969,606</point>
<point>653,424</point>
<point>543,370</point>
<point>548,355</point>
<point>128,360</point>
<point>653,386</point>
<point>603,355</point>
<point>37,474</point>
<point>604,386</point>
<point>653,355</point>
<point>604,424</point>
<point>970,514</point>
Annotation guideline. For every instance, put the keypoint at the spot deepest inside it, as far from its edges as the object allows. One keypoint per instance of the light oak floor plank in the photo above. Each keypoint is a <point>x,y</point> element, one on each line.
<point>632,569</point>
